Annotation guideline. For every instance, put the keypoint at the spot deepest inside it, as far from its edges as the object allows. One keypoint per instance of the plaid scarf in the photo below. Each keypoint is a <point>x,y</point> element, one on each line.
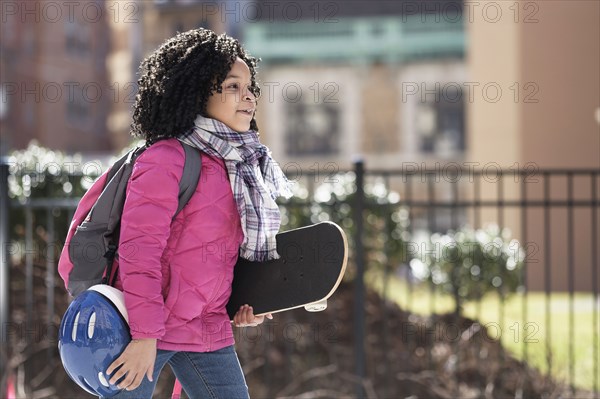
<point>255,178</point>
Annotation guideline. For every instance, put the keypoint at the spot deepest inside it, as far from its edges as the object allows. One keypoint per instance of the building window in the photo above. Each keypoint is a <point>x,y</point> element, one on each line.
<point>3,101</point>
<point>432,116</point>
<point>77,38</point>
<point>312,129</point>
<point>440,124</point>
<point>29,114</point>
<point>78,107</point>
<point>204,22</point>
<point>178,27</point>
<point>176,2</point>
<point>29,43</point>
<point>307,113</point>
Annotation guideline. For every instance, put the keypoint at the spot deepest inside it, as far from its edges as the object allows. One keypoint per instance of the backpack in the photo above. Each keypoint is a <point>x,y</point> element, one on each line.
<point>91,247</point>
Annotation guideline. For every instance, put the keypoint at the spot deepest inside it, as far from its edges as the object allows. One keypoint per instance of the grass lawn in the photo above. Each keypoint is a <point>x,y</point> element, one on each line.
<point>531,332</point>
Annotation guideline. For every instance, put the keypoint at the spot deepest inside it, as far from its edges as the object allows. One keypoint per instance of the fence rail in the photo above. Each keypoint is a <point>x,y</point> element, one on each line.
<point>553,214</point>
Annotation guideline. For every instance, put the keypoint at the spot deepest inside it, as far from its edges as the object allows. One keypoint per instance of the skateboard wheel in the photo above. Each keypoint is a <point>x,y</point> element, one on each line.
<point>317,306</point>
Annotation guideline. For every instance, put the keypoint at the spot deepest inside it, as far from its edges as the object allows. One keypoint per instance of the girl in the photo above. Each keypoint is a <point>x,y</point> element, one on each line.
<point>176,274</point>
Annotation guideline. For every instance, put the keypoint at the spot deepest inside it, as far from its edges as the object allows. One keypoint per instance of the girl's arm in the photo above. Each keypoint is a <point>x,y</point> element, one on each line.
<point>151,202</point>
<point>149,207</point>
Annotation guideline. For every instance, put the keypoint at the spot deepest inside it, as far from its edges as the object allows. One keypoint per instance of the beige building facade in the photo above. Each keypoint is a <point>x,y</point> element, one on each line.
<point>545,57</point>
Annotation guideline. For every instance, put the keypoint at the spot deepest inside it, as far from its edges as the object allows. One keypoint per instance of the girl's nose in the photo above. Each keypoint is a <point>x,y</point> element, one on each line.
<point>248,95</point>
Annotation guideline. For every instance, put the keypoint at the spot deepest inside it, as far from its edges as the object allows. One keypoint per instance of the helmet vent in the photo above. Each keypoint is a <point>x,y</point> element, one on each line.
<point>103,379</point>
<point>74,330</point>
<point>91,325</point>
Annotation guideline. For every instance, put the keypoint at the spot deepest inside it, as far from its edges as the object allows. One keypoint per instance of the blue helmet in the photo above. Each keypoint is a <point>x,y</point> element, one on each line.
<point>94,331</point>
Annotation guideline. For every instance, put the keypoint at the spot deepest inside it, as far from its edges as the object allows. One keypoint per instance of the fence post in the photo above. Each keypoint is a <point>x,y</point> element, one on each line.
<point>359,299</point>
<point>4,271</point>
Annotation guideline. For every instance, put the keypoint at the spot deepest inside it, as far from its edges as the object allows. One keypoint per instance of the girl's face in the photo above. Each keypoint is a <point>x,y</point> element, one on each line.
<point>235,105</point>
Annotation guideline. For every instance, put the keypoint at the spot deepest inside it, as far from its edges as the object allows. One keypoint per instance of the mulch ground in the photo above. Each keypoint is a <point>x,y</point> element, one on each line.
<point>311,355</point>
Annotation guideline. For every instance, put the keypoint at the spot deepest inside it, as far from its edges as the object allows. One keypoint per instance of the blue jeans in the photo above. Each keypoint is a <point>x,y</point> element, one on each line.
<point>202,375</point>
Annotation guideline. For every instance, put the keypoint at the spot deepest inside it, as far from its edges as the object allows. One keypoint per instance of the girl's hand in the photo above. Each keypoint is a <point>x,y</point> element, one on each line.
<point>245,317</point>
<point>137,361</point>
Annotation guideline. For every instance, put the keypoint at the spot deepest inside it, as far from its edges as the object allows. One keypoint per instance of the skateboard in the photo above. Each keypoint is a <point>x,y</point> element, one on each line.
<point>311,266</point>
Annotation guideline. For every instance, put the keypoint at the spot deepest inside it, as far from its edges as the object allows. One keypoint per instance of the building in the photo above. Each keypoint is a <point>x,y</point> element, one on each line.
<point>68,69</point>
<point>342,78</point>
<point>381,80</point>
<point>54,80</point>
<point>404,84</point>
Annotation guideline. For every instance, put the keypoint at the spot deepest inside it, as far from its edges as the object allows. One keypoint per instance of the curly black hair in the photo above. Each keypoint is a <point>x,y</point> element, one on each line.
<point>178,78</point>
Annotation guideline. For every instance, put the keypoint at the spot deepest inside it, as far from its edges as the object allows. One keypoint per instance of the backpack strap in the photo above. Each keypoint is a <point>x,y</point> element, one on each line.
<point>128,158</point>
<point>190,175</point>
<point>187,187</point>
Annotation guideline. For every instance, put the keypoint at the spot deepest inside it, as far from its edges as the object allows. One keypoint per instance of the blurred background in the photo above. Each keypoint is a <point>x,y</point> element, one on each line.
<point>456,142</point>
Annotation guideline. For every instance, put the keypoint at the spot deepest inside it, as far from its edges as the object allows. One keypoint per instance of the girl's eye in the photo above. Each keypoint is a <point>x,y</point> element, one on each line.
<point>233,86</point>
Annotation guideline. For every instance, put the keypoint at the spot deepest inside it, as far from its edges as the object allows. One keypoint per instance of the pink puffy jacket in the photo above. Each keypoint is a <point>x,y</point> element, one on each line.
<point>176,274</point>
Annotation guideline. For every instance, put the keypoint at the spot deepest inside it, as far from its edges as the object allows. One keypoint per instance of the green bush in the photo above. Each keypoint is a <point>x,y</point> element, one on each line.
<point>469,263</point>
<point>38,172</point>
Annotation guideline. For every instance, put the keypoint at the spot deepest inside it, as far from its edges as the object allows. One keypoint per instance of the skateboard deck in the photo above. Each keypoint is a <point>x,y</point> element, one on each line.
<point>311,266</point>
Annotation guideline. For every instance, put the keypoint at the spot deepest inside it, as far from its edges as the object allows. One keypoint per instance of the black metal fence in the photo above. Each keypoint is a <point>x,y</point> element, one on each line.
<point>406,320</point>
